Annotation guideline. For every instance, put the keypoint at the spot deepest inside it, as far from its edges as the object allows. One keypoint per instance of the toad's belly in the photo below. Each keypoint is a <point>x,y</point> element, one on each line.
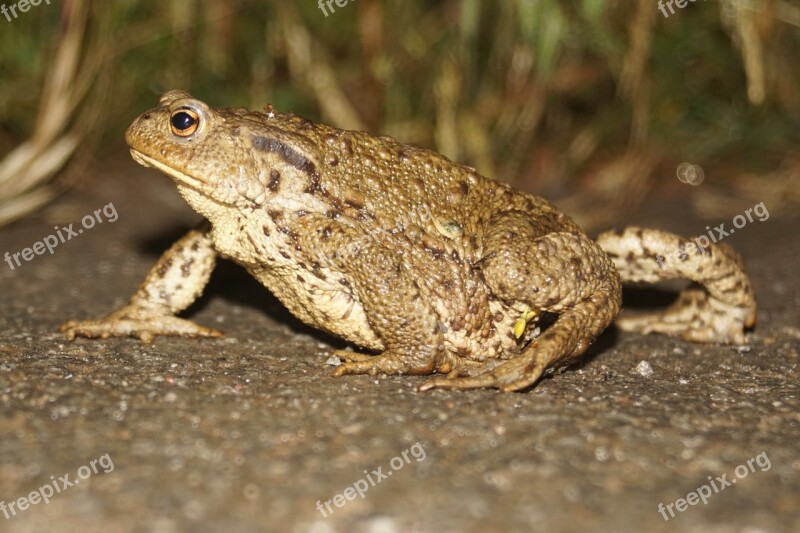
<point>485,334</point>
<point>321,305</point>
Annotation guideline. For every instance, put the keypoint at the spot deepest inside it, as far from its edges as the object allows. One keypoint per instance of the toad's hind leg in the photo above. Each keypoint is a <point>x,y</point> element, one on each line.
<point>563,273</point>
<point>717,307</point>
<point>401,316</point>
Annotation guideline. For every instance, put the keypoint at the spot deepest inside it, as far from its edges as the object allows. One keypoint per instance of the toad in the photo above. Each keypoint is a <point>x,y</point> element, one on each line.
<point>425,263</point>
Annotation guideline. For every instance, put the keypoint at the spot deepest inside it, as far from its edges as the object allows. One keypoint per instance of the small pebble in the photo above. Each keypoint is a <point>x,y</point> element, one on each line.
<point>333,361</point>
<point>644,369</point>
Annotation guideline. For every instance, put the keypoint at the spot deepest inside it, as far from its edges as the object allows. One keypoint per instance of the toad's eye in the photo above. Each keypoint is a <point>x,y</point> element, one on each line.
<point>184,122</point>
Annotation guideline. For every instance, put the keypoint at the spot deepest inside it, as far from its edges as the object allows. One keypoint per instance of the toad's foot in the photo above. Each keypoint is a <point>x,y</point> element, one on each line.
<point>509,376</point>
<point>695,316</point>
<point>385,363</point>
<point>133,323</point>
<point>352,357</point>
<point>568,337</point>
<point>717,307</point>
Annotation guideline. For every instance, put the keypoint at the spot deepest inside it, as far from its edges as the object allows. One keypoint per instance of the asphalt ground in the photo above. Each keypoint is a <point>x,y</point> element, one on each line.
<point>250,431</point>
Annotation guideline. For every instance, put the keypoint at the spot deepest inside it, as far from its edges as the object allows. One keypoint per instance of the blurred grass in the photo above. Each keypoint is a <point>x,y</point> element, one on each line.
<point>598,98</point>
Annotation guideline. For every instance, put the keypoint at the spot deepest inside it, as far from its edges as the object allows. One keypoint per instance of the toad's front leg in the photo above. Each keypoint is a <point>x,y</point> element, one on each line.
<point>174,282</point>
<point>563,273</point>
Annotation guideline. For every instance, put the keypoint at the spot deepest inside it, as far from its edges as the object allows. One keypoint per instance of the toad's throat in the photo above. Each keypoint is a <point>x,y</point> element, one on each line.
<point>177,175</point>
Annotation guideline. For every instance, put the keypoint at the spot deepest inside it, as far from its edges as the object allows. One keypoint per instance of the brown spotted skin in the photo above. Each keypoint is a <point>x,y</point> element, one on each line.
<point>717,307</point>
<point>174,282</point>
<point>396,249</point>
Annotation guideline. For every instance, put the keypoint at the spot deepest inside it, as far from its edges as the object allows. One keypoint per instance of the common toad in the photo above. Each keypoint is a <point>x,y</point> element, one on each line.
<point>403,252</point>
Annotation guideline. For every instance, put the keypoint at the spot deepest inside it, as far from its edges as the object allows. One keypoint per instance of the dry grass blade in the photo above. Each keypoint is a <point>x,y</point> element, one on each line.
<point>309,63</point>
<point>752,52</point>
<point>26,173</point>
<point>633,80</point>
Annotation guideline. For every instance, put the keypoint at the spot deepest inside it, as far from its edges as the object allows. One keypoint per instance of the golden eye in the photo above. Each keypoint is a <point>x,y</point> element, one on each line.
<point>184,122</point>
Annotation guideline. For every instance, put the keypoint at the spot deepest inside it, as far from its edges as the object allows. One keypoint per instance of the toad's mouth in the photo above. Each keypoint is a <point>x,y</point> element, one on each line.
<point>177,175</point>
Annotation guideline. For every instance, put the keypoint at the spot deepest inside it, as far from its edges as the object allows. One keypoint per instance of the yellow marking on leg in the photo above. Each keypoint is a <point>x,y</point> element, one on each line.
<point>522,322</point>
